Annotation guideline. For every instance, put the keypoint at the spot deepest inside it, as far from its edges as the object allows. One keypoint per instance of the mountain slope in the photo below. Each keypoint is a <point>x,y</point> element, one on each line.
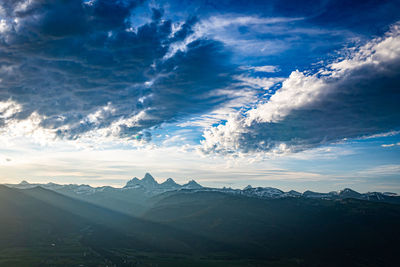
<point>40,227</point>
<point>36,220</point>
<point>336,233</point>
<point>34,233</point>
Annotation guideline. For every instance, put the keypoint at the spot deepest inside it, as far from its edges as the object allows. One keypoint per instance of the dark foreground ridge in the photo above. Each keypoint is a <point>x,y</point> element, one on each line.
<point>147,223</point>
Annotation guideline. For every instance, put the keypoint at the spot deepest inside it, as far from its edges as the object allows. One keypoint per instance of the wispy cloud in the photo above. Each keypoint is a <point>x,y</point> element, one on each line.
<point>381,170</point>
<point>390,145</point>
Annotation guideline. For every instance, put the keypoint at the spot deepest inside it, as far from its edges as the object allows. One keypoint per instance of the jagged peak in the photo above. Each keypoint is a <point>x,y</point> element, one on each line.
<point>148,177</point>
<point>147,181</point>
<point>192,184</point>
<point>169,181</point>
<point>248,187</point>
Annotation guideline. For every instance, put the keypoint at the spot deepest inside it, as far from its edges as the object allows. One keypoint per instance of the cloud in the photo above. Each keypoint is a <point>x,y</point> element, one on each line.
<point>263,36</point>
<point>266,68</point>
<point>355,96</point>
<point>253,35</point>
<point>390,145</point>
<point>83,68</point>
<point>259,82</point>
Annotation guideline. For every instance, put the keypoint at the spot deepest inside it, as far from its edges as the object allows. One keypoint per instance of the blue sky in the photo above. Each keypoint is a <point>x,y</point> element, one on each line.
<point>293,94</point>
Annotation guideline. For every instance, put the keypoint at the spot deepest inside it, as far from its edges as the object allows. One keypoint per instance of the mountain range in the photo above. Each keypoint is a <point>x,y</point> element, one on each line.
<point>148,187</point>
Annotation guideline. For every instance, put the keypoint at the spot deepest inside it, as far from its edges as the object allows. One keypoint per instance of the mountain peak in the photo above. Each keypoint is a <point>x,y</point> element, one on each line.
<point>148,181</point>
<point>133,182</point>
<point>23,182</point>
<point>192,184</point>
<point>170,183</point>
<point>148,176</point>
<point>349,193</point>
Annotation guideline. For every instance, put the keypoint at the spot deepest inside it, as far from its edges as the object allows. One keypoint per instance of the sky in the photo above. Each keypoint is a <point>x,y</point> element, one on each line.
<point>290,94</point>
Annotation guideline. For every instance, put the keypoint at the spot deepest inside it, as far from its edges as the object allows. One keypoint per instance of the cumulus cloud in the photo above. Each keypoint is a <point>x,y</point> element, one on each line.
<point>355,96</point>
<point>82,66</point>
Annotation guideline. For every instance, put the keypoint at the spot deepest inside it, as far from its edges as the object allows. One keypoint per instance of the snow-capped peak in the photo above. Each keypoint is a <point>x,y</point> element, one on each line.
<point>170,183</point>
<point>192,185</point>
<point>149,181</point>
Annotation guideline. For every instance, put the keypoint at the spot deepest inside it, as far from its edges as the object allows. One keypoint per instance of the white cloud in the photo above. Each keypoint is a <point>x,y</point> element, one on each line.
<point>28,128</point>
<point>100,114</point>
<point>376,52</point>
<point>296,91</point>
<point>17,132</point>
<point>390,133</point>
<point>388,145</point>
<point>9,108</point>
<point>4,26</point>
<point>391,145</point>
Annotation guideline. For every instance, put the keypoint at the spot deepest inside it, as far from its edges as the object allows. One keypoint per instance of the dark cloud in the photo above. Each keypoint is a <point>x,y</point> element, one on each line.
<point>66,60</point>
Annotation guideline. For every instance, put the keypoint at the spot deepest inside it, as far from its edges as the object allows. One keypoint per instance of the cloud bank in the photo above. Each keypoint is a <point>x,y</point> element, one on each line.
<point>355,96</point>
